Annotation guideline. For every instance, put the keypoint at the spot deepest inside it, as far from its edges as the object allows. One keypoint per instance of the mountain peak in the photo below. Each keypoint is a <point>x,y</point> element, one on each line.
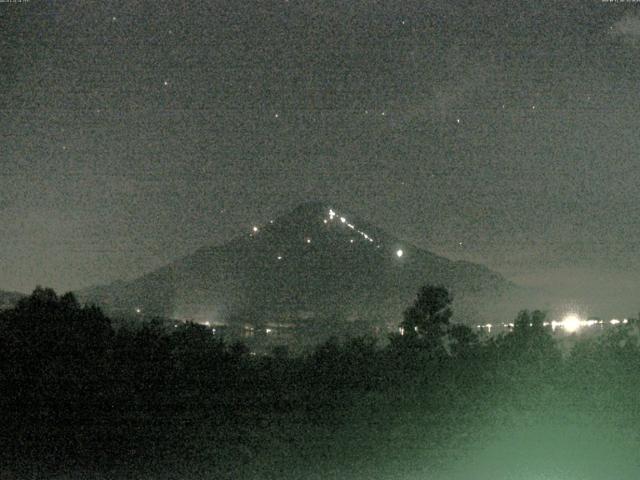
<point>316,260</point>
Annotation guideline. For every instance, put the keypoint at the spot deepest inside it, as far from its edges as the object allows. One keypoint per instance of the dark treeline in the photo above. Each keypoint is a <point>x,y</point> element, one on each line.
<point>78,395</point>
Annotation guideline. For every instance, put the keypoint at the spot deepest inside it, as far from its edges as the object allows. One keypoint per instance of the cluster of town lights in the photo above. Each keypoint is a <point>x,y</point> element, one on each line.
<point>570,323</point>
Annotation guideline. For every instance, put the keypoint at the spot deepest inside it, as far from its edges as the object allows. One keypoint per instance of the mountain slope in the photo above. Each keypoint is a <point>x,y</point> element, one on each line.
<point>314,262</point>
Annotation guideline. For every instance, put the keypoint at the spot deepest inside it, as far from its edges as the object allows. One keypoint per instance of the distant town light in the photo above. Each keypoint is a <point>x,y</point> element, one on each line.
<point>325,221</point>
<point>343,220</point>
<point>614,321</point>
<point>571,323</point>
<point>399,253</point>
<point>279,257</point>
<point>268,331</point>
<point>255,229</point>
<point>308,240</point>
<point>138,310</point>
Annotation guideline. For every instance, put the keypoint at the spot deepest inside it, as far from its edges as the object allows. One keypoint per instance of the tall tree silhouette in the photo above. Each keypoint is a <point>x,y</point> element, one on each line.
<point>430,314</point>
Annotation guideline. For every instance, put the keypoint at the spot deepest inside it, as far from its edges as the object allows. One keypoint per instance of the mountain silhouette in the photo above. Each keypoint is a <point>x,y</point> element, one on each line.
<point>315,261</point>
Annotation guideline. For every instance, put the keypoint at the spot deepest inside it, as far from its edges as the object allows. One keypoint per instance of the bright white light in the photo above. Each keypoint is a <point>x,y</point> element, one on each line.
<point>207,323</point>
<point>268,330</point>
<point>308,240</point>
<point>138,310</point>
<point>614,321</point>
<point>399,253</point>
<point>325,221</point>
<point>331,214</point>
<point>351,240</point>
<point>343,220</point>
<point>255,229</point>
<point>279,257</point>
<point>571,323</point>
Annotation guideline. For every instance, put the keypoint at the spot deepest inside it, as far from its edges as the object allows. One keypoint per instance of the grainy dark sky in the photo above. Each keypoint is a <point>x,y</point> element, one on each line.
<point>505,133</point>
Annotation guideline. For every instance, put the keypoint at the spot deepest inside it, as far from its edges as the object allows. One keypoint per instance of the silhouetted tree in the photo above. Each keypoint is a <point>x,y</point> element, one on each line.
<point>463,340</point>
<point>430,314</point>
<point>531,342</point>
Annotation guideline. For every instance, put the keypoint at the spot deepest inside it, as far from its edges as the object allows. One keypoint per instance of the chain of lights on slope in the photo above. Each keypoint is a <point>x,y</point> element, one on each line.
<point>332,216</point>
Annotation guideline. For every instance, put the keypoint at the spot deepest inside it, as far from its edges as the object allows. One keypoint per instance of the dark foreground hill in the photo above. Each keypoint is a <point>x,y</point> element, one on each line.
<point>315,262</point>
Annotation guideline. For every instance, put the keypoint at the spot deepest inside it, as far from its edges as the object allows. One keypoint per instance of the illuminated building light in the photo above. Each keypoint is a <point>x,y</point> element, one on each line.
<point>207,323</point>
<point>268,331</point>
<point>255,229</point>
<point>213,331</point>
<point>331,214</point>
<point>351,240</point>
<point>626,320</point>
<point>343,220</point>
<point>325,221</point>
<point>399,253</point>
<point>571,323</point>
<point>279,257</point>
<point>401,330</point>
<point>307,240</point>
<point>350,226</point>
<point>614,321</point>
<point>271,222</point>
<point>138,310</point>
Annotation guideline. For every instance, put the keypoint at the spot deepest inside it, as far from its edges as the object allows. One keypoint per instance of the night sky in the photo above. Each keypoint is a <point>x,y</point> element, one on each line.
<point>135,132</point>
